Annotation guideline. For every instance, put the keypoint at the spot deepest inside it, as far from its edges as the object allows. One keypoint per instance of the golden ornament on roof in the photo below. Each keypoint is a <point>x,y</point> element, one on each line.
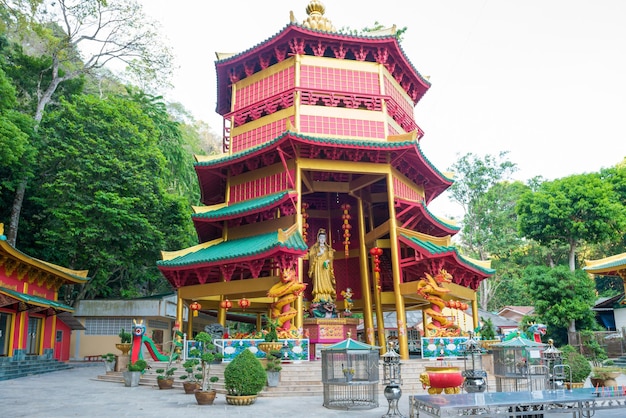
<point>316,19</point>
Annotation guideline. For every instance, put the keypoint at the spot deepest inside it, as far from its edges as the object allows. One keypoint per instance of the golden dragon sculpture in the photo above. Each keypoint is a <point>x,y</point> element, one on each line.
<point>286,291</point>
<point>431,289</point>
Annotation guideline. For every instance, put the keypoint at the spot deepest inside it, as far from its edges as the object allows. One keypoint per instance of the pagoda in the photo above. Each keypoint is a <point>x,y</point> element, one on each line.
<point>319,133</point>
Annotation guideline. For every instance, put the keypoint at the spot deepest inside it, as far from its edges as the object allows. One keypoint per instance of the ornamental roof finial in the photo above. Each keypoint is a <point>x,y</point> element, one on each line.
<point>316,19</point>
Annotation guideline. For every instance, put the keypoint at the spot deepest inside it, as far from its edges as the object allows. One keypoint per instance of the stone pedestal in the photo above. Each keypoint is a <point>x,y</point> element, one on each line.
<point>323,331</point>
<point>122,363</point>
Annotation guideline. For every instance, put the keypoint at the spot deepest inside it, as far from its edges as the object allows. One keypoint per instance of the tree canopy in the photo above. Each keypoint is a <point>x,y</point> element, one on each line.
<point>570,211</point>
<point>103,203</point>
<point>561,297</point>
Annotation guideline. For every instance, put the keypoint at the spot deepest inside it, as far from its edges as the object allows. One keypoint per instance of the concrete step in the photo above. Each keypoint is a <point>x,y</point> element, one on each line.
<point>296,379</point>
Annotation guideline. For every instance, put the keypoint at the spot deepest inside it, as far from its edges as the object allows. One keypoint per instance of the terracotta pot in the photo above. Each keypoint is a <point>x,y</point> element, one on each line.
<point>191,387</point>
<point>165,383</point>
<point>205,398</point>
<point>240,400</point>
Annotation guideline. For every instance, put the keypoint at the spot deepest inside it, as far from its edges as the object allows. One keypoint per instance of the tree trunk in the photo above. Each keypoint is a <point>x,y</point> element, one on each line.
<point>43,100</point>
<point>572,256</point>
<point>16,209</point>
<point>572,326</point>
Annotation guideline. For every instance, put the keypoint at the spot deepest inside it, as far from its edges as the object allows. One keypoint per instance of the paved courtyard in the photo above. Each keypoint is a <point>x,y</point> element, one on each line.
<point>78,393</point>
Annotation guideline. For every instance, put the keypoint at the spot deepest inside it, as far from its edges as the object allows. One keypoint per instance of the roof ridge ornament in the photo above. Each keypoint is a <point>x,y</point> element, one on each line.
<point>316,20</point>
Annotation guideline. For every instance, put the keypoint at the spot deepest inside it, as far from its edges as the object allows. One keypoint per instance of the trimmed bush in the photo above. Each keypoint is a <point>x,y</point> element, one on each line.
<point>244,375</point>
<point>581,369</point>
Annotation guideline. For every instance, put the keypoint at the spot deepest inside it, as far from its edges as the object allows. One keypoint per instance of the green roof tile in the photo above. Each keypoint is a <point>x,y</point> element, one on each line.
<point>617,263</point>
<point>350,344</point>
<point>377,144</point>
<point>239,248</point>
<point>442,249</point>
<point>36,300</point>
<point>244,207</point>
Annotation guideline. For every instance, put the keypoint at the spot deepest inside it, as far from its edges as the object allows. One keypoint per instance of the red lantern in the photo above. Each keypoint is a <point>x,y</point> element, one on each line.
<point>376,253</point>
<point>195,307</point>
<point>244,303</point>
<point>346,227</point>
<point>305,225</point>
<point>226,304</point>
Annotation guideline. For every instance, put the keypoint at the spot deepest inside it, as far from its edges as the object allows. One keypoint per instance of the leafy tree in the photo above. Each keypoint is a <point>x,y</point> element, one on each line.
<point>80,37</point>
<point>571,211</point>
<point>484,229</point>
<point>474,176</point>
<point>102,201</point>
<point>180,176</point>
<point>496,238</point>
<point>16,129</point>
<point>562,299</point>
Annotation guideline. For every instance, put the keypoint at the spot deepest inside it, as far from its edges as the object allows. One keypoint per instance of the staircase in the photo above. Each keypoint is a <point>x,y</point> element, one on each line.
<point>620,361</point>
<point>296,379</point>
<point>15,367</point>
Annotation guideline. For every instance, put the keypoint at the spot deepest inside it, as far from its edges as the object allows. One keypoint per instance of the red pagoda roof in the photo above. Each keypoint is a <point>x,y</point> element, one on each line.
<point>406,157</point>
<point>296,39</point>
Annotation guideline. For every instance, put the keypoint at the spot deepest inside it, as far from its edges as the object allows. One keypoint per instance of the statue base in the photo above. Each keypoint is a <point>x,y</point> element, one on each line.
<point>326,331</point>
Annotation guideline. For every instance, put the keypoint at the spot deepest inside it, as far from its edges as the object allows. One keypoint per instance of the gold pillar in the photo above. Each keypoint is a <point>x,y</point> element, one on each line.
<point>259,322</point>
<point>366,293</point>
<point>179,312</point>
<point>403,342</point>
<point>221,314</point>
<point>299,322</point>
<point>475,313</point>
<point>380,320</point>
<point>189,324</point>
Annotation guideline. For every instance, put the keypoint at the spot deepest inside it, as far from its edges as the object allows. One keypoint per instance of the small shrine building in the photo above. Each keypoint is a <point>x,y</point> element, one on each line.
<point>29,306</point>
<point>319,134</point>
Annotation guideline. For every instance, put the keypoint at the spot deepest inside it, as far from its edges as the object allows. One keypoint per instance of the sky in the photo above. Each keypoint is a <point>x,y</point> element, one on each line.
<point>544,80</point>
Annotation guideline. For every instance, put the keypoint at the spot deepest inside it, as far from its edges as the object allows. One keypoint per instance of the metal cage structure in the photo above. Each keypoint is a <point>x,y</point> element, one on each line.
<point>350,375</point>
<point>518,366</point>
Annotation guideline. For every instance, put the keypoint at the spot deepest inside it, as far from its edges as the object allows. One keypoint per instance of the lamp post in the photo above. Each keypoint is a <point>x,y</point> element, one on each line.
<point>393,379</point>
<point>475,377</point>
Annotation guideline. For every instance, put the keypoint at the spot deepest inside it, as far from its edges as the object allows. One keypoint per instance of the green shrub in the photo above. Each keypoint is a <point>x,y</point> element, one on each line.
<point>244,375</point>
<point>138,366</point>
<point>579,365</point>
<point>207,355</point>
<point>273,361</point>
<point>108,357</point>
<point>192,367</point>
<point>125,337</point>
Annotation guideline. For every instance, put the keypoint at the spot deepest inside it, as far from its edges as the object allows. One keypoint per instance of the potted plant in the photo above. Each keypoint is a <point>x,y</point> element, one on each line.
<point>109,361</point>
<point>207,355</point>
<point>578,364</point>
<point>605,375</point>
<point>271,338</point>
<point>191,380</point>
<point>244,378</point>
<point>273,368</point>
<point>165,376</point>
<point>134,372</point>
<point>125,341</point>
